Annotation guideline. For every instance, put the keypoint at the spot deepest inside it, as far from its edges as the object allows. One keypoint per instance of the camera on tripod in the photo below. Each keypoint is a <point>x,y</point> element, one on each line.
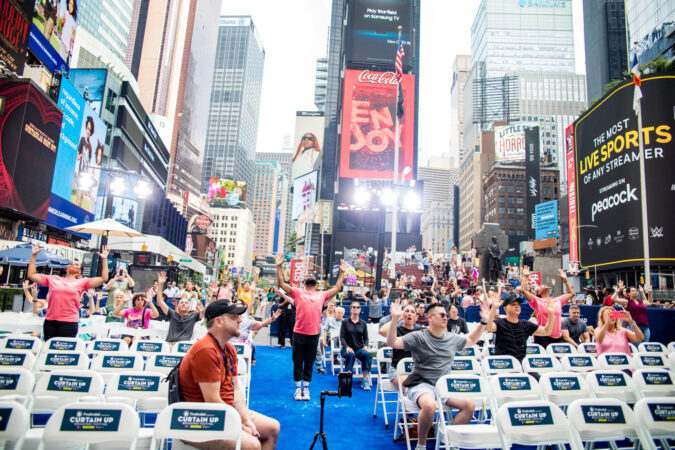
<point>344,390</point>
<point>344,384</point>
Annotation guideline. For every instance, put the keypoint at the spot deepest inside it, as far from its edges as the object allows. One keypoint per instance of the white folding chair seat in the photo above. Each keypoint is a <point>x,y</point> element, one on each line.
<point>560,348</point>
<point>465,386</point>
<point>182,346</point>
<point>196,422</point>
<point>107,363</point>
<point>82,424</point>
<point>17,358</point>
<point>602,420</point>
<point>14,422</point>
<point>143,391</point>
<point>385,389</point>
<point>540,364</point>
<point>615,361</point>
<point>652,347</point>
<point>579,363</point>
<point>500,364</point>
<point>612,384</point>
<point>466,365</point>
<point>535,349</point>
<point>657,418</point>
<point>537,422</point>
<point>107,345</point>
<point>147,347</point>
<point>16,384</point>
<point>648,360</point>
<point>405,406</point>
<point>654,382</point>
<point>589,348</point>
<point>562,388</point>
<point>70,344</point>
<point>163,362</point>
<point>507,387</point>
<point>60,359</point>
<point>21,342</point>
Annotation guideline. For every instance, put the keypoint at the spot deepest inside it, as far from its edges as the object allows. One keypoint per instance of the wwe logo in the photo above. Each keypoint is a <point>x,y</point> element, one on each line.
<point>656,232</point>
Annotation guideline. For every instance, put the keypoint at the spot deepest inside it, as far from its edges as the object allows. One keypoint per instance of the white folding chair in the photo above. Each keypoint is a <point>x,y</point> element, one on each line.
<point>70,344</point>
<point>633,348</point>
<point>107,363</point>
<point>16,384</point>
<point>612,384</point>
<point>335,350</point>
<point>244,377</point>
<point>60,359</point>
<point>405,406</point>
<point>488,350</point>
<point>21,342</point>
<point>507,387</point>
<point>648,360</point>
<point>654,383</point>
<point>113,330</point>
<point>197,422</point>
<point>540,364</point>
<point>579,363</point>
<point>535,349</point>
<point>87,423</point>
<point>560,348</point>
<point>561,388</point>
<point>64,386</point>
<point>671,359</point>
<point>385,389</point>
<point>466,365</point>
<point>465,386</point>
<point>602,420</point>
<point>652,347</point>
<point>182,346</point>
<point>469,352</point>
<point>147,347</point>
<point>152,333</point>
<point>615,361</point>
<point>536,422</point>
<point>657,418</point>
<point>13,423</point>
<point>243,349</point>
<point>589,348</point>
<point>671,347</point>
<point>107,345</point>
<point>17,358</point>
<point>163,362</point>
<point>500,364</point>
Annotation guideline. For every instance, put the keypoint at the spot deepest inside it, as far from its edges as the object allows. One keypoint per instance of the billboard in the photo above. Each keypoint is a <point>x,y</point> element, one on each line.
<point>90,83</point>
<point>571,195</point>
<point>304,193</point>
<point>372,32</point>
<point>52,32</point>
<point>15,22</point>
<point>368,125</point>
<point>225,193</point>
<point>124,210</point>
<point>510,142</point>
<point>532,176</point>
<point>309,139</point>
<point>201,247</point>
<point>546,220</point>
<point>90,149</point>
<point>29,134</point>
<point>607,176</point>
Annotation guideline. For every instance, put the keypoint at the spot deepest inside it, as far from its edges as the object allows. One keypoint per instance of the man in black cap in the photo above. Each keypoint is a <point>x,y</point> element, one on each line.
<point>511,333</point>
<point>208,373</point>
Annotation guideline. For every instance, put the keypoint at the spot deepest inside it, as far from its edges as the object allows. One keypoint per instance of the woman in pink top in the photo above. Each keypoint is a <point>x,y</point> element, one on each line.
<point>139,315</point>
<point>610,336</point>
<point>63,312</point>
<point>540,304</point>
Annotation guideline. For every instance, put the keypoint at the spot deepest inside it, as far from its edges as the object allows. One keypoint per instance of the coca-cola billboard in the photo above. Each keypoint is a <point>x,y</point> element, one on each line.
<point>298,271</point>
<point>368,125</point>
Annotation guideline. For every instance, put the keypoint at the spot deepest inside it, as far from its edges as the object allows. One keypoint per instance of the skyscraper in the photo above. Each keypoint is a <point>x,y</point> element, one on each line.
<point>234,109</point>
<point>320,83</point>
<point>461,68</point>
<point>269,208</point>
<point>284,158</point>
<point>645,15</point>
<point>109,21</point>
<point>438,199</point>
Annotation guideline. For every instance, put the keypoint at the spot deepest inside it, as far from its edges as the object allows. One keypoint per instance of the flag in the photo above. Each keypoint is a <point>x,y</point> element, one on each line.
<point>637,80</point>
<point>400,53</point>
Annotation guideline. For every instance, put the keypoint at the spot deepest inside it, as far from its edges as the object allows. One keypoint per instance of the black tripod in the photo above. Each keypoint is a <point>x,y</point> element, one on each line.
<point>320,433</point>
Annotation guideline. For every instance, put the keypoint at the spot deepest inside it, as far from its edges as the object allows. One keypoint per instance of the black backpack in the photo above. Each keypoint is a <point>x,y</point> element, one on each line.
<point>173,378</point>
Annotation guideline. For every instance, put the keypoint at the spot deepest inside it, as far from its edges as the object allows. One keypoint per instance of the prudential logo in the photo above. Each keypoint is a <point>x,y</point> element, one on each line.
<point>610,202</point>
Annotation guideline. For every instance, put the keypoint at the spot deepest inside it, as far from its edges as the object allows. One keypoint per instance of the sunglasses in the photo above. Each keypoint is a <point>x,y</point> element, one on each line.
<point>309,138</point>
<point>441,315</point>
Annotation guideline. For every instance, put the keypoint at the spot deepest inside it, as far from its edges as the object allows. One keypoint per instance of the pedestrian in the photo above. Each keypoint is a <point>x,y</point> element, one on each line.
<point>375,306</point>
<point>354,342</point>
<point>610,336</point>
<point>181,321</point>
<point>632,300</point>
<point>287,318</point>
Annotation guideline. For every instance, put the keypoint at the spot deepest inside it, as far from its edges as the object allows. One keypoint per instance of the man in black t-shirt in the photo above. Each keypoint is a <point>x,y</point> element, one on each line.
<point>181,321</point>
<point>511,333</point>
<point>408,326</point>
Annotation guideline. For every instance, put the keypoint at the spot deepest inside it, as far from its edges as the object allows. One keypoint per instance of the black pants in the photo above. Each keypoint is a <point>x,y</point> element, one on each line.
<point>545,340</point>
<point>55,328</point>
<point>304,353</point>
<point>286,322</point>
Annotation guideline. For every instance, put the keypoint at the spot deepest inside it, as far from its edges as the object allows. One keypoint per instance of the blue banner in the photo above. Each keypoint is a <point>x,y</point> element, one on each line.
<point>63,214</point>
<point>546,220</point>
<point>45,52</point>
<point>72,104</point>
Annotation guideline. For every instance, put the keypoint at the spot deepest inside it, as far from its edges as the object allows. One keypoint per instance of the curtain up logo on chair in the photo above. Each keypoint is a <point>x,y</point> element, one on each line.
<point>662,412</point>
<point>541,363</point>
<point>62,359</point>
<point>603,414</point>
<point>19,344</point>
<point>150,347</point>
<point>409,366</point>
<point>610,379</point>
<point>7,359</point>
<point>184,347</point>
<point>138,383</point>
<point>535,415</point>
<point>5,414</point>
<point>62,345</point>
<point>561,349</point>
<point>581,361</point>
<point>388,353</point>
<point>239,348</point>
<point>659,378</point>
<point>167,361</point>
<point>654,348</point>
<point>118,362</point>
<point>91,420</point>
<point>501,364</point>
<point>651,360</point>
<point>69,383</point>
<point>466,352</point>
<point>463,385</point>
<point>462,364</point>
<point>533,350</point>
<point>565,384</point>
<point>8,381</point>
<point>617,360</point>
<point>198,419</point>
<point>107,346</point>
<point>514,383</point>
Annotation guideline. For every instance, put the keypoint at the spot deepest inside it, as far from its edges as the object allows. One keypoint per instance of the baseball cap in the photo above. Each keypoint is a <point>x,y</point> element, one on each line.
<point>220,307</point>
<point>512,299</point>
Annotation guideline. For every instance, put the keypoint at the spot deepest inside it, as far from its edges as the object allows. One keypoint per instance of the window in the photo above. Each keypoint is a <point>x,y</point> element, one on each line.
<point>501,199</point>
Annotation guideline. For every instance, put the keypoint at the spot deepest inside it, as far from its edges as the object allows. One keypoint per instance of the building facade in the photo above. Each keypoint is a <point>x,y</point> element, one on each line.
<point>285,160</point>
<point>461,68</point>
<point>109,21</point>
<point>643,16</point>
<point>437,200</point>
<point>234,108</point>
<point>270,197</point>
<point>233,231</point>
<point>320,82</point>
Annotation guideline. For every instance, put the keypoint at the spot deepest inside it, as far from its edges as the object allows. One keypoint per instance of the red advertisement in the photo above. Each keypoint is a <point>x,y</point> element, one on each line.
<point>534,279</point>
<point>572,195</point>
<point>298,271</point>
<point>368,125</point>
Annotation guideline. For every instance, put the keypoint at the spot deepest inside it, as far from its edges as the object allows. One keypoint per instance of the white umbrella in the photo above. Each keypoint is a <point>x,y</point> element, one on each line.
<point>105,227</point>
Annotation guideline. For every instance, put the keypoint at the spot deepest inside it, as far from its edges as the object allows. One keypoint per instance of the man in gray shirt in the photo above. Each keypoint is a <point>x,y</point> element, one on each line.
<point>433,351</point>
<point>573,329</point>
<point>181,321</point>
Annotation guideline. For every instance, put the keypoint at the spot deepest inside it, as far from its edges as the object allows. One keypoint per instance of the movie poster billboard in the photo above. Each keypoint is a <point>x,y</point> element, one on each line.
<point>90,149</point>
<point>368,125</point>
<point>124,211</point>
<point>15,22</point>
<point>309,140</point>
<point>90,83</point>
<point>201,247</point>
<point>510,142</point>
<point>53,31</point>
<point>225,193</point>
<point>607,169</point>
<point>304,193</point>
<point>29,134</point>
<point>372,32</point>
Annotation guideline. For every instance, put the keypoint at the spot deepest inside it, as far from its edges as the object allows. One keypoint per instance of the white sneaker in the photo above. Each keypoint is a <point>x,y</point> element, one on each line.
<point>298,394</point>
<point>305,394</point>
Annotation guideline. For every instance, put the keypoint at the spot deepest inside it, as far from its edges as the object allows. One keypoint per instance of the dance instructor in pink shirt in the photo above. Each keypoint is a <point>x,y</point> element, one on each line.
<point>63,309</point>
<point>308,305</point>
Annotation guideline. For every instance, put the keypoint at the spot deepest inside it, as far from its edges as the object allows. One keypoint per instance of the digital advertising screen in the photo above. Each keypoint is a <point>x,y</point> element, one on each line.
<point>89,157</point>
<point>368,125</point>
<point>15,24</point>
<point>227,193</point>
<point>90,83</point>
<point>124,211</point>
<point>546,219</point>
<point>307,156</point>
<point>201,247</point>
<point>607,176</point>
<point>29,134</point>
<point>304,193</point>
<point>53,31</point>
<point>372,32</point>
<point>510,142</point>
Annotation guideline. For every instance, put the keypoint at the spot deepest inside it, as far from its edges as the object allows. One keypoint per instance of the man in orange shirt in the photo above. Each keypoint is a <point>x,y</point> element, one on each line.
<point>208,373</point>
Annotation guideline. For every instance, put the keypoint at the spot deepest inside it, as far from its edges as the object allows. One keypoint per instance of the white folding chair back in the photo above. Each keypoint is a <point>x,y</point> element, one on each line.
<point>14,422</point>
<point>163,362</point>
<point>654,382</point>
<point>465,386</point>
<point>21,342</point>
<point>147,347</point>
<point>633,348</point>
<point>540,363</point>
<point>66,386</point>
<point>405,406</point>
<point>488,350</point>
<point>182,346</point>
<point>86,423</point>
<point>466,365</point>
<point>16,384</point>
<point>507,387</point>
<point>17,358</point>
<point>500,364</point>
<point>386,390</point>
<point>143,391</point>
<point>107,363</point>
<point>244,377</point>
<point>155,334</point>
<point>612,384</point>
<point>579,363</point>
<point>70,344</point>
<point>601,420</point>
<point>61,359</point>
<point>243,349</point>
<point>615,361</point>
<point>652,347</point>
<point>589,348</point>
<point>657,418</point>
<point>560,348</point>
<point>469,352</point>
<point>199,331</point>
<point>671,347</point>
<point>197,422</point>
<point>535,349</point>
<point>537,422</point>
<point>562,388</point>
<point>671,359</point>
<point>648,360</point>
<point>108,345</point>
